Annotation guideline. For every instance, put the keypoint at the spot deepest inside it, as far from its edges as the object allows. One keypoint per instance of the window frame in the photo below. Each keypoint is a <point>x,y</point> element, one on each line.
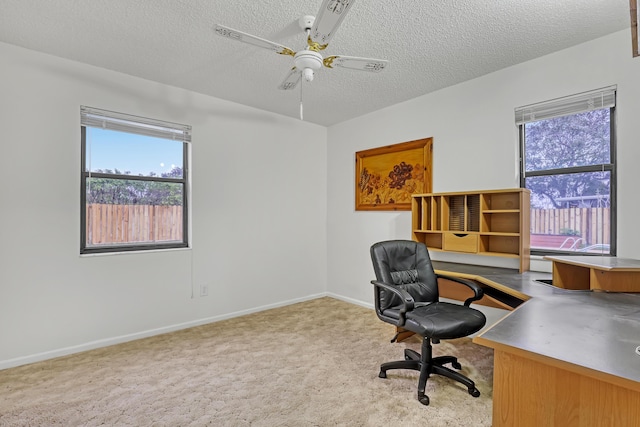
<point>610,167</point>
<point>86,174</point>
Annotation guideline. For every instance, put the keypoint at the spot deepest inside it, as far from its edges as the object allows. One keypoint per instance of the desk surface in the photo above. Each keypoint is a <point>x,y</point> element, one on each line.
<point>598,331</point>
<point>599,262</point>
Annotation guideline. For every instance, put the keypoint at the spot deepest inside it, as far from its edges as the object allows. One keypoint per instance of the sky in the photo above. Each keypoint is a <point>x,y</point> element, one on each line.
<point>139,154</point>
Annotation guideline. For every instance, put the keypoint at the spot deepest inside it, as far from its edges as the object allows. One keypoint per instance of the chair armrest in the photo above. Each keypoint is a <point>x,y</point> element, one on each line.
<point>477,290</point>
<point>408,302</point>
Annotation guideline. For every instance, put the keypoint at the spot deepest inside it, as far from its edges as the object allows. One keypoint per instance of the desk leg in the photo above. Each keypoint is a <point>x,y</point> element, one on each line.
<point>569,276</point>
<point>403,334</point>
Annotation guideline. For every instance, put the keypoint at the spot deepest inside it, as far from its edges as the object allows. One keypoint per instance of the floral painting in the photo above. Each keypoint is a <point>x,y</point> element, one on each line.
<point>387,177</point>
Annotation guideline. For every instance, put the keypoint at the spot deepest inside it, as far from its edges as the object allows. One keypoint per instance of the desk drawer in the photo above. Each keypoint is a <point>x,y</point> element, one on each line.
<point>460,242</point>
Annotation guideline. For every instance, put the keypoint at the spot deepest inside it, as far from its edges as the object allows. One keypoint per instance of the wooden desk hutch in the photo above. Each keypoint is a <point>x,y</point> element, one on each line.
<point>493,222</point>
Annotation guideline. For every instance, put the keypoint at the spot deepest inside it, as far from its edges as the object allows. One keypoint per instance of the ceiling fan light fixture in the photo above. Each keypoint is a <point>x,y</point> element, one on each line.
<point>307,73</point>
<point>319,31</point>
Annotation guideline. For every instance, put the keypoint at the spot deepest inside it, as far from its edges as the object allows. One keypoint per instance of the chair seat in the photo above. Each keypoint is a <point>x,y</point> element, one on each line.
<point>443,320</point>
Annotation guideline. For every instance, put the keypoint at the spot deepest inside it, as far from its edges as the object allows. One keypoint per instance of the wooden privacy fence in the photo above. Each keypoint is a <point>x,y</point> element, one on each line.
<point>133,223</point>
<point>587,226</point>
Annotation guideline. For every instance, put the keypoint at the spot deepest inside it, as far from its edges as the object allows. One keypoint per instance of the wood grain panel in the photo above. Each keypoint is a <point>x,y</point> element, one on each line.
<point>460,242</point>
<point>569,276</point>
<point>530,393</point>
<point>615,281</point>
<point>456,291</point>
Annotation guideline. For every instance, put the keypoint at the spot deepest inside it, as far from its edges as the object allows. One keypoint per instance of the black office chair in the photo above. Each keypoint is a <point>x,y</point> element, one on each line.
<point>406,295</point>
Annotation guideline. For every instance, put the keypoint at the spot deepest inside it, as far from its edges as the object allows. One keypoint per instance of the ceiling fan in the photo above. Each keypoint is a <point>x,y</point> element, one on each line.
<point>319,31</point>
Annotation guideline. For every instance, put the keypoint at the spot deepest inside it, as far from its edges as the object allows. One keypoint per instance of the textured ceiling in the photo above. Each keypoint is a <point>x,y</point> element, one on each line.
<point>429,44</point>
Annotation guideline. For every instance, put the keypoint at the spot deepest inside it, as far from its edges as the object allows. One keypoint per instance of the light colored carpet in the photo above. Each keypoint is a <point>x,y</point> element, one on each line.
<point>309,364</point>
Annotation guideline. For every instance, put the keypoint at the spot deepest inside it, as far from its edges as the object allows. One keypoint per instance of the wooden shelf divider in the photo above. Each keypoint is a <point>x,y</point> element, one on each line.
<point>493,222</point>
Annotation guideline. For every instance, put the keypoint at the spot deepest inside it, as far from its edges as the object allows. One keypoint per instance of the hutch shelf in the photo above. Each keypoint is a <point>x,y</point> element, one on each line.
<point>493,222</point>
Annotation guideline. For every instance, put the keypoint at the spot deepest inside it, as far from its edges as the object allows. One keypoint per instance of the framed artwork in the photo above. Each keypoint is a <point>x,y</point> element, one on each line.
<point>633,6</point>
<point>387,177</point>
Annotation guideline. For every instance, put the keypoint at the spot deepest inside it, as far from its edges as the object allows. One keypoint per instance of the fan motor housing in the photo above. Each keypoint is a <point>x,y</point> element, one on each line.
<point>308,61</point>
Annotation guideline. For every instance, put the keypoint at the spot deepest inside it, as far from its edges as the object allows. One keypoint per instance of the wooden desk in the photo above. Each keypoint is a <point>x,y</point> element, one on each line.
<point>598,273</point>
<point>562,358</point>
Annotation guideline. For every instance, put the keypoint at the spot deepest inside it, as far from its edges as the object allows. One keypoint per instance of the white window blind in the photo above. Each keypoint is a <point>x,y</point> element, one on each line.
<point>94,117</point>
<point>574,104</point>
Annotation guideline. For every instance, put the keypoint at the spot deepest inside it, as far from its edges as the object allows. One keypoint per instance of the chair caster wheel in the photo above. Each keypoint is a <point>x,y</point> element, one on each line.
<point>424,399</point>
<point>456,365</point>
<point>382,374</point>
<point>474,392</point>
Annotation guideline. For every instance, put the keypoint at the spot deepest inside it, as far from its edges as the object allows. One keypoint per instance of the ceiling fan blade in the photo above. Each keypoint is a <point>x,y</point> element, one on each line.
<point>355,63</point>
<point>292,79</point>
<point>223,31</point>
<point>329,18</point>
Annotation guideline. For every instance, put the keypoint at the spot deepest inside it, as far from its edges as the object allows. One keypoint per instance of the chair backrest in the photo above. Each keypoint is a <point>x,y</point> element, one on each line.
<point>405,264</point>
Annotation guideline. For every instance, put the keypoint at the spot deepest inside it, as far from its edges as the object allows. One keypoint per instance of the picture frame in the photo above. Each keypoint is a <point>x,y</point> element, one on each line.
<point>633,9</point>
<point>387,177</point>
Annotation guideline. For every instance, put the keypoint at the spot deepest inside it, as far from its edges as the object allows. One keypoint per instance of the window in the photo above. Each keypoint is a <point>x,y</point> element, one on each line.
<point>134,181</point>
<point>567,160</point>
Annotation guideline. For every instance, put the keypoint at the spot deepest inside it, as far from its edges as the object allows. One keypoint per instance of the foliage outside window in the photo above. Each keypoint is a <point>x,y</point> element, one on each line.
<point>568,163</point>
<point>134,180</point>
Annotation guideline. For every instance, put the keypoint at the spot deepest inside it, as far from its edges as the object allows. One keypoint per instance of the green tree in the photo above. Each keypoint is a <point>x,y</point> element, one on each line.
<point>122,191</point>
<point>565,142</point>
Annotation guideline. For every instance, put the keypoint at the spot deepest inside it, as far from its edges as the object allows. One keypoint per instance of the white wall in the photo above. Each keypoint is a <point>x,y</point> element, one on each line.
<point>258,205</point>
<point>273,197</point>
<point>475,148</point>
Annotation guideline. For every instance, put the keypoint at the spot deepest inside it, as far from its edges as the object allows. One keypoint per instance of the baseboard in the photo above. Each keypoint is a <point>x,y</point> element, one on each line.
<point>350,300</point>
<point>38,357</point>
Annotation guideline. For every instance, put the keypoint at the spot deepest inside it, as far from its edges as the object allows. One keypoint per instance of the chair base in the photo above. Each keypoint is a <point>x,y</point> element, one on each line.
<point>427,365</point>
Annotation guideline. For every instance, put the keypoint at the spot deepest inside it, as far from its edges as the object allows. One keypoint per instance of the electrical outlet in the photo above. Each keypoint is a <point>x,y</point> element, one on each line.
<point>204,290</point>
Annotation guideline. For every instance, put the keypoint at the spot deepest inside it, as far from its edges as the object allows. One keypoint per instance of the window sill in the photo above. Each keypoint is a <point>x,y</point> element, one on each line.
<point>100,254</point>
